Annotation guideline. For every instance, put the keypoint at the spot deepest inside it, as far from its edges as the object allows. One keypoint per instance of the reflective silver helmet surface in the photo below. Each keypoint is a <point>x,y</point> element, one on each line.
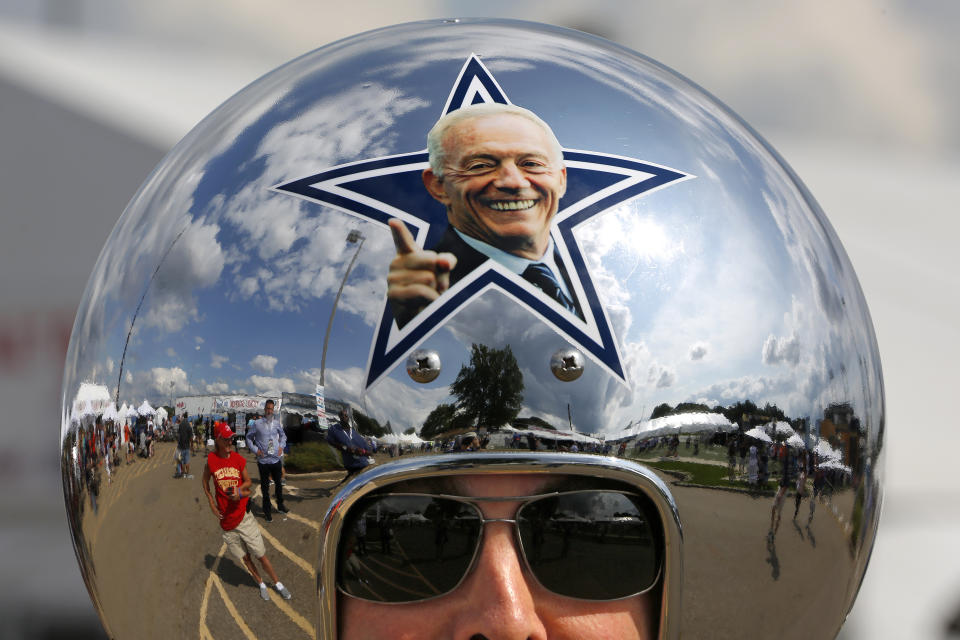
<point>479,329</point>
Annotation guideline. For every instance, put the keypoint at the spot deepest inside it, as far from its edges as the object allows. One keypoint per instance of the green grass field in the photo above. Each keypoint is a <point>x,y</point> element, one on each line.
<point>312,456</point>
<point>710,475</point>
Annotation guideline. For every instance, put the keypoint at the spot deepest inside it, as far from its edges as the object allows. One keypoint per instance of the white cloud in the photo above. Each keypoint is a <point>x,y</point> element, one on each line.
<point>698,350</point>
<point>782,349</point>
<point>272,386</point>
<point>171,352</point>
<point>403,405</point>
<point>661,377</point>
<point>194,262</point>
<point>199,339</point>
<point>217,387</point>
<point>304,255</point>
<point>217,361</point>
<point>162,377</point>
<point>248,286</point>
<point>264,363</point>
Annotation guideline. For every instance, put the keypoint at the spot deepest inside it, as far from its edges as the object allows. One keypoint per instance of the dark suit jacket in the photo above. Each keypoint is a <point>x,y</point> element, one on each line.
<point>469,259</point>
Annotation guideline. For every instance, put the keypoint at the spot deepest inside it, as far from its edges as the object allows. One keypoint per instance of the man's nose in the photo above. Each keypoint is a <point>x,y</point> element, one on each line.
<point>501,605</point>
<point>510,177</point>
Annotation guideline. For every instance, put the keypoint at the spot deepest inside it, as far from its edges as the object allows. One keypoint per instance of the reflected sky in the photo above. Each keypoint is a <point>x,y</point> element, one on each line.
<point>727,287</point>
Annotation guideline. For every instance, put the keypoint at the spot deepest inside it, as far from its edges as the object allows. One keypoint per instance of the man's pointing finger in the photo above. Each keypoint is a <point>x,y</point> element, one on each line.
<point>402,239</point>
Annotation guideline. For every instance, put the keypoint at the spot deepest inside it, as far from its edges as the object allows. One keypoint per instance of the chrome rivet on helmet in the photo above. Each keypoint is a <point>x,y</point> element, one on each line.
<point>423,365</point>
<point>567,364</point>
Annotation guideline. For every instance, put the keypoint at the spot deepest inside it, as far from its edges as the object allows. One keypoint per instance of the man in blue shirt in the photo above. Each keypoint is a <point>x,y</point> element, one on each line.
<point>266,440</point>
<point>346,439</point>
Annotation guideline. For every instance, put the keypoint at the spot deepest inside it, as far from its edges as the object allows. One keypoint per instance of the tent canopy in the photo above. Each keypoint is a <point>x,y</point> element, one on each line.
<point>758,434</point>
<point>697,422</point>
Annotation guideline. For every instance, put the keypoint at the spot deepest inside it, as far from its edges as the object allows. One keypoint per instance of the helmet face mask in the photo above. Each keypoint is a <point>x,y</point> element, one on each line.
<point>666,291</point>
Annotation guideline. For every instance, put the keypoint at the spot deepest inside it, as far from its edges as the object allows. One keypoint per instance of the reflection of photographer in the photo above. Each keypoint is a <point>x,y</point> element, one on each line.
<point>344,437</point>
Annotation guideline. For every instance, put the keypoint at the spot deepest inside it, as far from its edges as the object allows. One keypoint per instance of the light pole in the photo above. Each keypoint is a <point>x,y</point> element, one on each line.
<point>353,237</point>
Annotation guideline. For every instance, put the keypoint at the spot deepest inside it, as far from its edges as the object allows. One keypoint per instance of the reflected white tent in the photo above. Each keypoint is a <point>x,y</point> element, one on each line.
<point>835,464</point>
<point>412,517</point>
<point>826,452</point>
<point>95,396</point>
<point>410,439</point>
<point>780,428</point>
<point>758,434</point>
<point>110,413</point>
<point>795,441</point>
<point>160,415</point>
<point>390,438</point>
<point>550,434</point>
<point>145,409</point>
<point>86,409</point>
<point>701,422</point>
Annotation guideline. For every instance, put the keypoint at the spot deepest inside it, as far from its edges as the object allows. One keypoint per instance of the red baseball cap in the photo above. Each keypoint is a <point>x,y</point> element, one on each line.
<point>222,430</point>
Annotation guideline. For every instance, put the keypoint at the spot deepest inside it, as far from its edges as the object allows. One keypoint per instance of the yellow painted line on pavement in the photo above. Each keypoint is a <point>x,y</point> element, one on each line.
<point>307,521</point>
<point>297,560</point>
<point>205,632</point>
<point>302,520</point>
<point>206,589</point>
<point>392,568</point>
<point>414,567</point>
<point>298,619</point>
<point>382,578</point>
<point>232,609</point>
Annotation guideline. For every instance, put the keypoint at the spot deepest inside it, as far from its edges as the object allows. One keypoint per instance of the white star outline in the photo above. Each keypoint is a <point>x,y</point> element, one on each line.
<point>593,334</point>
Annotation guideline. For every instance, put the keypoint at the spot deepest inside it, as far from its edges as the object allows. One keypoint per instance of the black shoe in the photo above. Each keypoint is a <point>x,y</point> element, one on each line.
<point>268,518</point>
<point>283,509</point>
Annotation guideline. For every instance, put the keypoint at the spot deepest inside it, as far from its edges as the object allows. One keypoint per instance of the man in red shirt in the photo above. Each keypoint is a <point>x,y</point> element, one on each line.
<point>240,530</point>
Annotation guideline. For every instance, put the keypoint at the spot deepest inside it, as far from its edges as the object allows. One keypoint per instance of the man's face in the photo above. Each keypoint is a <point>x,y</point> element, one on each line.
<point>268,410</point>
<point>501,183</point>
<point>498,600</point>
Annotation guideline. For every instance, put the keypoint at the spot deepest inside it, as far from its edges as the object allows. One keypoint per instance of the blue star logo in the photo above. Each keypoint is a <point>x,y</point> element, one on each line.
<point>381,189</point>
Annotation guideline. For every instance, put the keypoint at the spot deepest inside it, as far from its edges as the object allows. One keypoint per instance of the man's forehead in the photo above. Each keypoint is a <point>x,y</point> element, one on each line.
<point>472,133</point>
<point>492,486</point>
<point>496,485</point>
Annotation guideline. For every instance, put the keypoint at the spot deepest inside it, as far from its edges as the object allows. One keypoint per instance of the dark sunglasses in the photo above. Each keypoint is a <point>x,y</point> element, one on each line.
<point>411,547</point>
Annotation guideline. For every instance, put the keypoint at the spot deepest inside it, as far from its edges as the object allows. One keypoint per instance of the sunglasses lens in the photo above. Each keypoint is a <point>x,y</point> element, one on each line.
<point>405,548</point>
<point>594,545</point>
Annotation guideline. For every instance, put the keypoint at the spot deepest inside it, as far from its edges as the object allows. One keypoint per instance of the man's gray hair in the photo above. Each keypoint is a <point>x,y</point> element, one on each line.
<point>435,136</point>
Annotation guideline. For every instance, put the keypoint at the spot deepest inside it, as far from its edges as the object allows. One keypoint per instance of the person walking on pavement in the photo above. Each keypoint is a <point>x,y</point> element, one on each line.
<point>266,440</point>
<point>232,488</point>
<point>184,441</point>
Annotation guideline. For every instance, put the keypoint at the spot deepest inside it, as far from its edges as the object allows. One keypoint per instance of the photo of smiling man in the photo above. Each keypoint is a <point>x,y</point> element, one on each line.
<point>498,169</point>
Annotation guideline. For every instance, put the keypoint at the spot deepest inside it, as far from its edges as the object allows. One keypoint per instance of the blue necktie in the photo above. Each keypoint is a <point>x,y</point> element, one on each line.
<point>540,275</point>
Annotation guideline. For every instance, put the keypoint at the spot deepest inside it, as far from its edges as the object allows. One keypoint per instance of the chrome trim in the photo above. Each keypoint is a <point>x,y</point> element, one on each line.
<point>572,464</point>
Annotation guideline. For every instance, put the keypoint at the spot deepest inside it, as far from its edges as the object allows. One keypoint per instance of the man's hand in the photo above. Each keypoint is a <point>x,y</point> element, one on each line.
<point>260,452</point>
<point>417,277</point>
<point>216,509</point>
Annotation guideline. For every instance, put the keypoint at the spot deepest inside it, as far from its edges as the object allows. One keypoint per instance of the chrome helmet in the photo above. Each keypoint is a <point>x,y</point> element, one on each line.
<point>621,373</point>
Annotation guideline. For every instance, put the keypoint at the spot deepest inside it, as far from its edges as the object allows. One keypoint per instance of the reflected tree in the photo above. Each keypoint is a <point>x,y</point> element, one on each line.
<point>438,421</point>
<point>490,389</point>
<point>369,426</point>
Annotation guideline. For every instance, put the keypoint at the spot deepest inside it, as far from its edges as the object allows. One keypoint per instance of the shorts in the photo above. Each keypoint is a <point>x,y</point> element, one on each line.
<point>184,455</point>
<point>245,538</point>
